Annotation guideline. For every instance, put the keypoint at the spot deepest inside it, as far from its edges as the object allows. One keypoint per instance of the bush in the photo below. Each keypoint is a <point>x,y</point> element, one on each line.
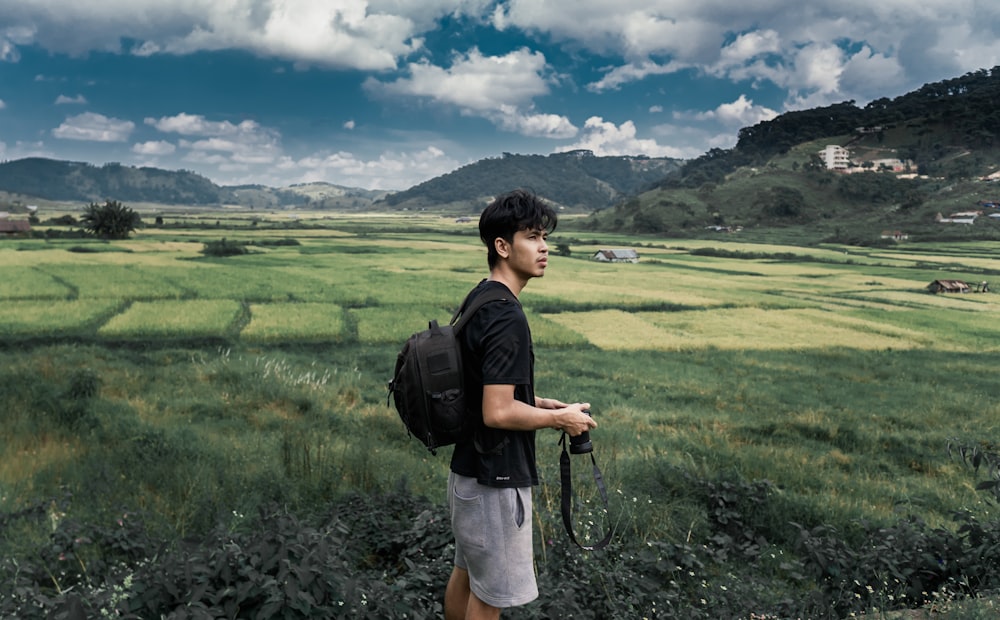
<point>224,248</point>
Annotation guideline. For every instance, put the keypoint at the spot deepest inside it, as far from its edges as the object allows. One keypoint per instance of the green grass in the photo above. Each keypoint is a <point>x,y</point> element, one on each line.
<point>830,373</point>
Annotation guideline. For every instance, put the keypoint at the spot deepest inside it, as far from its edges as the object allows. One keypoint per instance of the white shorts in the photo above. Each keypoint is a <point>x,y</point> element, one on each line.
<point>492,528</point>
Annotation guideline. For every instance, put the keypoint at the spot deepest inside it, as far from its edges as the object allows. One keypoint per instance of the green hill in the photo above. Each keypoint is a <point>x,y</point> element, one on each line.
<point>50,179</point>
<point>36,178</point>
<point>577,180</point>
<point>774,182</point>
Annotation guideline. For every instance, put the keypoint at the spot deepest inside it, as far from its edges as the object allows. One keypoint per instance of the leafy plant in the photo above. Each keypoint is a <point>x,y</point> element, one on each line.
<point>112,220</point>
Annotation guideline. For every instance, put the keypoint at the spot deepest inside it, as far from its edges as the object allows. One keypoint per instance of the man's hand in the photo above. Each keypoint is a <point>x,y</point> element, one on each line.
<point>573,419</point>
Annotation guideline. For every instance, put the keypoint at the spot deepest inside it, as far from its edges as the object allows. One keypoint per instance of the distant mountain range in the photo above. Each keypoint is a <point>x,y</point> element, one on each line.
<point>576,180</point>
<point>38,178</point>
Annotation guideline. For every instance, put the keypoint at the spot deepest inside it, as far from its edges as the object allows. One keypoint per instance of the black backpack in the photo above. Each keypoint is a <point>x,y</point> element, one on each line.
<point>428,383</point>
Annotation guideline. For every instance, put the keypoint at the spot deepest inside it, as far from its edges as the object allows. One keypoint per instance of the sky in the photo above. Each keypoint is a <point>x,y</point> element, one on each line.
<point>385,94</point>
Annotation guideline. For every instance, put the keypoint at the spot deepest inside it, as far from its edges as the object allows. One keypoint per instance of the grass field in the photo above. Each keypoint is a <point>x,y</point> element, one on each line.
<point>143,373</point>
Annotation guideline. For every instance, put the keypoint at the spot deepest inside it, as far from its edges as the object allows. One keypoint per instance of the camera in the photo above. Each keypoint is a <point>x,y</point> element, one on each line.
<point>581,443</point>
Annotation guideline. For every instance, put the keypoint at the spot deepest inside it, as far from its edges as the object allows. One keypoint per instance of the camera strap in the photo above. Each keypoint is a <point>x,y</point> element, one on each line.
<point>567,496</point>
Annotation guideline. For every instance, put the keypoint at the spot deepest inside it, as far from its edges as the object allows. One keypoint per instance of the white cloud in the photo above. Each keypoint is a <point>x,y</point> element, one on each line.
<point>739,113</point>
<point>499,88</point>
<point>154,148</point>
<point>63,100</point>
<point>94,127</point>
<point>198,125</point>
<point>551,126</point>
<point>605,139</point>
<point>349,124</point>
<point>354,34</point>
<point>806,47</point>
<point>225,146</point>
<point>2,104</point>
<point>632,72</point>
<point>474,82</point>
<point>390,170</point>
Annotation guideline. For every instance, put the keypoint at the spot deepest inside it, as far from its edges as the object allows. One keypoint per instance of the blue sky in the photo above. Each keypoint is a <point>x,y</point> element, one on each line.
<point>384,94</point>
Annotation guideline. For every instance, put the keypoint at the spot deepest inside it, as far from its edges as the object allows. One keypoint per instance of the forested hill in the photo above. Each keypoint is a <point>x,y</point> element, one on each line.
<point>925,165</point>
<point>576,180</point>
<point>960,113</point>
<point>51,179</point>
<point>69,181</point>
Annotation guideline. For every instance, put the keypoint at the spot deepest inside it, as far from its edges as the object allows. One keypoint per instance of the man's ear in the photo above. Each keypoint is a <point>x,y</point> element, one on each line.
<point>502,247</point>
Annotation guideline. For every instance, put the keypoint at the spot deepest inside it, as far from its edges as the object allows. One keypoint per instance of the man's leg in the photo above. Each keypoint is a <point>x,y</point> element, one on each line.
<point>456,595</point>
<point>460,603</point>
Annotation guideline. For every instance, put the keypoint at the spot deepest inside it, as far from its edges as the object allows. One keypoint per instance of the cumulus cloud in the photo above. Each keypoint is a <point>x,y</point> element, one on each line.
<point>154,148</point>
<point>499,88</point>
<point>94,127</point>
<point>390,170</point>
<point>355,34</point>
<point>64,100</point>
<point>605,139</point>
<point>739,113</point>
<point>2,104</point>
<point>807,48</point>
<point>473,82</point>
<point>226,146</point>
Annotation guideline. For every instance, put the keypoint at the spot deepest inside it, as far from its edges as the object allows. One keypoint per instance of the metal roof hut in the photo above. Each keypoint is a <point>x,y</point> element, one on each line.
<point>14,227</point>
<point>617,256</point>
<point>948,286</point>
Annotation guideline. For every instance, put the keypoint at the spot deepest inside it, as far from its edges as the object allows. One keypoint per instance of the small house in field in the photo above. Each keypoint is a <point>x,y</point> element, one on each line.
<point>12,228</point>
<point>617,256</point>
<point>948,286</point>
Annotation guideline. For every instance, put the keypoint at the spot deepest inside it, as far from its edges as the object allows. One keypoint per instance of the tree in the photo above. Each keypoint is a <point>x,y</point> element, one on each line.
<point>112,220</point>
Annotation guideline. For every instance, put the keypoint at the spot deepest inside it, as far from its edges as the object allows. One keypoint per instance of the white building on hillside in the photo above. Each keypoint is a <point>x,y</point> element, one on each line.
<point>836,157</point>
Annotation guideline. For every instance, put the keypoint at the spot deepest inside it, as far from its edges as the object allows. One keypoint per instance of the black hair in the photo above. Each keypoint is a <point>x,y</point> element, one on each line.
<point>512,212</point>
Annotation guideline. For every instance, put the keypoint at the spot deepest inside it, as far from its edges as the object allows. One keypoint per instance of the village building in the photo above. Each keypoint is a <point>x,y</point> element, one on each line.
<point>836,157</point>
<point>12,228</point>
<point>617,256</point>
<point>948,286</point>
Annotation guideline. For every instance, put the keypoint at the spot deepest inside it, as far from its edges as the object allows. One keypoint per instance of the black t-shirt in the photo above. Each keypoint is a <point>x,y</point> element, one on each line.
<point>496,350</point>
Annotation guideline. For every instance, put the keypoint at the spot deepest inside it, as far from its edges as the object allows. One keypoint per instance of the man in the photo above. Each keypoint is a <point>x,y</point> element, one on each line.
<point>489,487</point>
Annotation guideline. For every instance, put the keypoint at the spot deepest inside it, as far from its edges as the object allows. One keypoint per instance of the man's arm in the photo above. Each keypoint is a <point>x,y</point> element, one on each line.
<point>502,410</point>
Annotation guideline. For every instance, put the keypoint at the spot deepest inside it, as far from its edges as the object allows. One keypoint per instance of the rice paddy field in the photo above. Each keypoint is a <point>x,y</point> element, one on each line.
<point>367,287</point>
<point>830,371</point>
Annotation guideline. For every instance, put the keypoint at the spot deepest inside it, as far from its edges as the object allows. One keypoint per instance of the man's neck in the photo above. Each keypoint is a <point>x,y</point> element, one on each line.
<point>516,285</point>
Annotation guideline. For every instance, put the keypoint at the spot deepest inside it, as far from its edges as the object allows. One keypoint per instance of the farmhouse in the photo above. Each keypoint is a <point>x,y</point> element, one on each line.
<point>14,227</point>
<point>617,256</point>
<point>948,286</point>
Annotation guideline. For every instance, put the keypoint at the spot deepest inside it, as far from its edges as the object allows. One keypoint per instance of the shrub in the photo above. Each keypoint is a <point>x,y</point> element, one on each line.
<point>224,248</point>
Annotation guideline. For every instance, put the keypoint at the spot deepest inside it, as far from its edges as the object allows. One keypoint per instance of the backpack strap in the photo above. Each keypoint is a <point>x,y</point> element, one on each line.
<point>474,302</point>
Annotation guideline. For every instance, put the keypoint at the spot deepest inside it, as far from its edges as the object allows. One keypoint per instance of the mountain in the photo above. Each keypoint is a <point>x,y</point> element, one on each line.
<point>68,181</point>
<point>50,179</point>
<point>917,160</point>
<point>577,180</point>
<point>325,196</point>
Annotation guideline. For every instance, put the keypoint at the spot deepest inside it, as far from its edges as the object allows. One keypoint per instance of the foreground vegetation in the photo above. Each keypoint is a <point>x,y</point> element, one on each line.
<point>786,432</point>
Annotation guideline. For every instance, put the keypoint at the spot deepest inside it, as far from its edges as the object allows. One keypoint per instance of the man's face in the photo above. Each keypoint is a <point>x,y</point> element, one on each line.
<point>529,253</point>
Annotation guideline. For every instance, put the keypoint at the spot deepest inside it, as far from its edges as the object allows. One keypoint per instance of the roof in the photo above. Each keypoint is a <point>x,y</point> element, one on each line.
<point>950,285</point>
<point>10,226</point>
<point>619,254</point>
